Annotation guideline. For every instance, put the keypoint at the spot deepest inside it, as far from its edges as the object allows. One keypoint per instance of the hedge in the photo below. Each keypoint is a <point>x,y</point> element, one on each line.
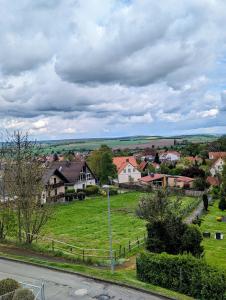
<point>182,273</point>
<point>91,190</point>
<point>8,286</point>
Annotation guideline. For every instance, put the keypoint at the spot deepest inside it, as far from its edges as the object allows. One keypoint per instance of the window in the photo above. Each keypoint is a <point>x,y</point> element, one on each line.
<point>129,170</point>
<point>134,170</point>
<point>55,192</point>
<point>54,180</point>
<point>124,171</point>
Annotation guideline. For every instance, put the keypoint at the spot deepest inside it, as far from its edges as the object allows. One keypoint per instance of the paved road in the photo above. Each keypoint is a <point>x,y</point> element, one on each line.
<point>63,286</point>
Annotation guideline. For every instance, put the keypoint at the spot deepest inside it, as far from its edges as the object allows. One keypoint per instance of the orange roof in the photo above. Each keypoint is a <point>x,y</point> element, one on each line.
<point>184,179</point>
<point>121,162</point>
<point>214,181</point>
<point>216,155</point>
<point>152,177</point>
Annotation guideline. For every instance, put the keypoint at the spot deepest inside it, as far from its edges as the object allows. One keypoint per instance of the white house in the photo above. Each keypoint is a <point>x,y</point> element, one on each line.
<point>127,169</point>
<point>217,167</point>
<point>169,156</point>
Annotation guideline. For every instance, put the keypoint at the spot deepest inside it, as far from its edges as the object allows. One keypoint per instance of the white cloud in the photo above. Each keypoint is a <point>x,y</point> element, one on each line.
<point>90,68</point>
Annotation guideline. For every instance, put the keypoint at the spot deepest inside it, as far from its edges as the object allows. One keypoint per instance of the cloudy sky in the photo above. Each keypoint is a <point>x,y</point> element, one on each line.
<point>98,68</point>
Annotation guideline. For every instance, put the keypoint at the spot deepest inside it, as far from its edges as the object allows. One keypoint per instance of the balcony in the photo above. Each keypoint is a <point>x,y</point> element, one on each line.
<point>55,198</point>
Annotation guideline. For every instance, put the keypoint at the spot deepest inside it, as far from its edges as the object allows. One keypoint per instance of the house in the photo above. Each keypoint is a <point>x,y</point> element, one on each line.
<point>172,156</point>
<point>156,166</point>
<point>127,169</point>
<point>54,182</point>
<point>154,180</point>
<point>180,181</point>
<point>78,173</point>
<point>217,166</point>
<point>193,160</point>
<point>216,155</point>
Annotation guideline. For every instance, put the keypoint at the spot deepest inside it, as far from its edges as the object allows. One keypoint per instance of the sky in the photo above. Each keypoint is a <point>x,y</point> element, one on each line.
<point>105,68</point>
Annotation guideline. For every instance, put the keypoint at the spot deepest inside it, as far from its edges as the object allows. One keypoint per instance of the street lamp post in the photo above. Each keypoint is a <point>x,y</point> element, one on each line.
<point>109,227</point>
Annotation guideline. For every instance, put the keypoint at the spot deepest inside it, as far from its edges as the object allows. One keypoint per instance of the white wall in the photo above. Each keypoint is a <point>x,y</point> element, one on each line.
<point>127,172</point>
<point>81,184</point>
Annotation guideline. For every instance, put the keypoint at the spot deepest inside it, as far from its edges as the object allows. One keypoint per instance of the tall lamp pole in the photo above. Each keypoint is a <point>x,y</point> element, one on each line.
<point>109,227</point>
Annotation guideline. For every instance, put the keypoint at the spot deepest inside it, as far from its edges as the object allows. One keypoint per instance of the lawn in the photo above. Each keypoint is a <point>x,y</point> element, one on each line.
<point>85,223</point>
<point>215,250</point>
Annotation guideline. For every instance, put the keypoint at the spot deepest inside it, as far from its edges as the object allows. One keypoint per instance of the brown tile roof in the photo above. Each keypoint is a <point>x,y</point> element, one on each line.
<point>71,170</point>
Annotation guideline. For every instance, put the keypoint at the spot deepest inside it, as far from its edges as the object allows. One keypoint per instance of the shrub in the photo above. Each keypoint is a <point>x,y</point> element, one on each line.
<point>23,294</point>
<point>222,204</point>
<point>91,190</point>
<point>8,285</point>
<point>182,273</point>
<point>113,191</point>
<point>81,195</point>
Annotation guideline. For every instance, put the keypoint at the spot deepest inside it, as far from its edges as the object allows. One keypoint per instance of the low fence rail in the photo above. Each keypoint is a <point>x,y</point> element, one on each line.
<point>88,253</point>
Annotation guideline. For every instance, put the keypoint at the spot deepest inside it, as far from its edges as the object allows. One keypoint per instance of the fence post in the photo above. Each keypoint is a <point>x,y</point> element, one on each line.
<point>124,250</point>
<point>129,246</point>
<point>120,250</point>
<point>115,255</point>
<point>83,255</point>
<point>52,245</point>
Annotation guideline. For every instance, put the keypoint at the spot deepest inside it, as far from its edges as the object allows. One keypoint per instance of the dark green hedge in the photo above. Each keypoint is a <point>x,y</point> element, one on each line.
<point>182,273</point>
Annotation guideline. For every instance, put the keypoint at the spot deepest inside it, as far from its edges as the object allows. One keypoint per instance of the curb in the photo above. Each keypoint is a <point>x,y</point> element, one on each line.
<point>88,276</point>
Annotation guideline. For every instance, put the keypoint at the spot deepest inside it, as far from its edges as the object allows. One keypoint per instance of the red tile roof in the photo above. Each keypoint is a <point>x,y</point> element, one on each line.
<point>216,155</point>
<point>214,181</point>
<point>184,179</point>
<point>151,178</point>
<point>121,162</point>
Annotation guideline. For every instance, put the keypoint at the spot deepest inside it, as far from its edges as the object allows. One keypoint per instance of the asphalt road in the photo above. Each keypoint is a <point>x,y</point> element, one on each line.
<point>63,286</point>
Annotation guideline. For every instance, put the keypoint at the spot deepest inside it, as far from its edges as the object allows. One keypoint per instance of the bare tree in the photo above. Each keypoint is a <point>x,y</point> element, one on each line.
<point>23,183</point>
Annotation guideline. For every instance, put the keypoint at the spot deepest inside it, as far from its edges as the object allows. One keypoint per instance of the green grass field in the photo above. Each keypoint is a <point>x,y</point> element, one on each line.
<point>215,250</point>
<point>85,223</point>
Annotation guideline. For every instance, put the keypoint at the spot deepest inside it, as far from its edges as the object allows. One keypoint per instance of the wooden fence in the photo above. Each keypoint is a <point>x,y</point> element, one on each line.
<point>89,253</point>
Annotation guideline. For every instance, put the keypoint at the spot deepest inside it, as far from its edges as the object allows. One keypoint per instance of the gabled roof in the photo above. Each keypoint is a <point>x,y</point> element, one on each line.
<point>215,161</point>
<point>122,161</point>
<point>51,171</point>
<point>70,170</point>
<point>152,177</point>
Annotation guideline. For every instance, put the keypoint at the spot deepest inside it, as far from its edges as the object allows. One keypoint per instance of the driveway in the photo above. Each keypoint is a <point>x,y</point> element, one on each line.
<point>63,286</point>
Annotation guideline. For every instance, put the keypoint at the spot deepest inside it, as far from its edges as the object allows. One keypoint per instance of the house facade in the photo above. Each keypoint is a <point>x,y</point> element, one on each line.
<point>78,173</point>
<point>54,182</point>
<point>172,156</point>
<point>182,182</point>
<point>217,167</point>
<point>127,169</point>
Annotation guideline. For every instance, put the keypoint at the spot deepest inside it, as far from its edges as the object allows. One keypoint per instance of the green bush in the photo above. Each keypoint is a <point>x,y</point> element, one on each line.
<point>81,195</point>
<point>222,204</point>
<point>8,285</point>
<point>23,294</point>
<point>182,273</point>
<point>91,190</point>
<point>113,191</point>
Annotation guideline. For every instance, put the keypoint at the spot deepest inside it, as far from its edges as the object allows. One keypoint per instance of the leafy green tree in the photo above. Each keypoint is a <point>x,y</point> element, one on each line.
<point>100,161</point>
<point>166,230</point>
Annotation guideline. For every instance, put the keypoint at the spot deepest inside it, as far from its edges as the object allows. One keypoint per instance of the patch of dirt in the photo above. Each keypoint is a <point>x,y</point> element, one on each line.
<point>130,264</point>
